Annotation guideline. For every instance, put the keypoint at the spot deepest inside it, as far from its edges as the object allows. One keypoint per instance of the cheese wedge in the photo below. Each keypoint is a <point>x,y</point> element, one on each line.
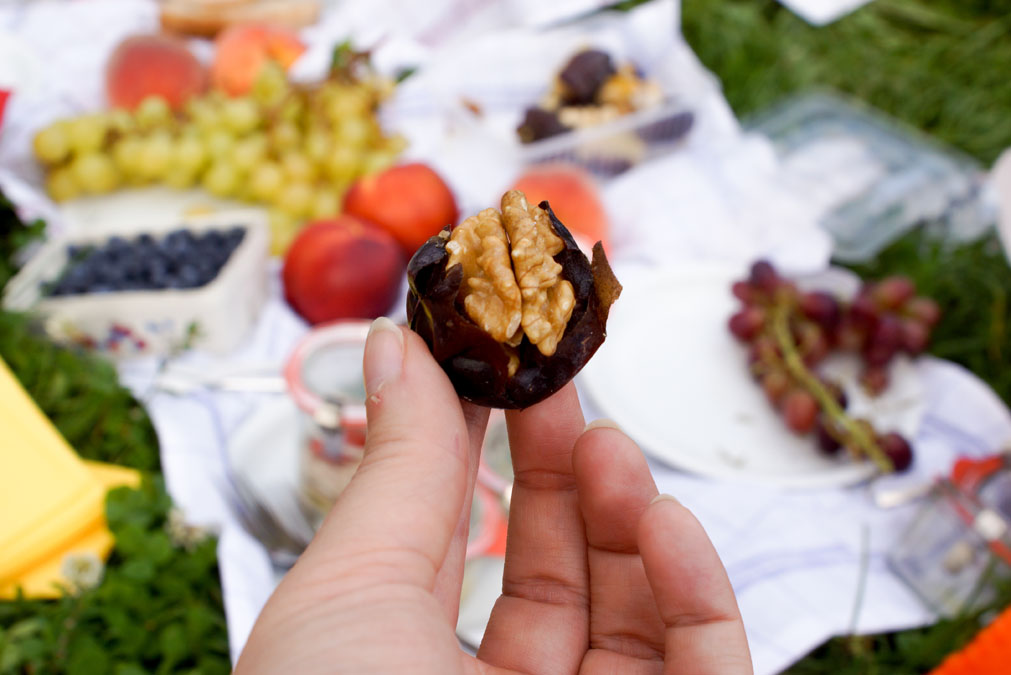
<point>45,578</point>
<point>48,497</point>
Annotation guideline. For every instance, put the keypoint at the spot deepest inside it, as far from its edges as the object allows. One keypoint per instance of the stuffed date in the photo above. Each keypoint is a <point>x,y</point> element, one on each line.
<point>508,304</point>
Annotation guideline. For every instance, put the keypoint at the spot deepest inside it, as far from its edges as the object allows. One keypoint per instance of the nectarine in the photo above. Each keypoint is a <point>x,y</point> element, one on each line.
<point>153,65</point>
<point>341,269</point>
<point>410,201</point>
<point>574,198</point>
<point>242,50</point>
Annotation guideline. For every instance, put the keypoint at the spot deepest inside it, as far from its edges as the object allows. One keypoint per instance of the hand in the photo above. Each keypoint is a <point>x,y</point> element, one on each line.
<point>601,574</point>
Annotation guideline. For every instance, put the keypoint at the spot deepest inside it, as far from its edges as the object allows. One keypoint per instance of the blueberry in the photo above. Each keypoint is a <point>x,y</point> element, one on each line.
<point>157,272</point>
<point>176,235</point>
<point>176,251</point>
<point>93,259</point>
<point>133,267</point>
<point>234,236</point>
<point>189,275</point>
<point>213,240</point>
<point>114,275</point>
<point>74,289</point>
<point>144,251</point>
<point>205,265</point>
<point>78,275</point>
<point>117,243</point>
<point>178,243</point>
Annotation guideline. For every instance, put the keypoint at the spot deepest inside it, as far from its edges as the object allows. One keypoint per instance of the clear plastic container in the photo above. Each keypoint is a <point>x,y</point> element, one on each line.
<point>959,537</point>
<point>609,149</point>
<point>872,178</point>
<point>324,376</point>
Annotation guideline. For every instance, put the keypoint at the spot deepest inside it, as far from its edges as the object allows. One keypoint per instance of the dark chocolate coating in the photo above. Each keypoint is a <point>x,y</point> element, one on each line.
<point>477,365</point>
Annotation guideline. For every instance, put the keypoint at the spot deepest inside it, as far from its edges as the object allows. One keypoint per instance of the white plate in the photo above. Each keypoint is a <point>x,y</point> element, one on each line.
<point>675,379</point>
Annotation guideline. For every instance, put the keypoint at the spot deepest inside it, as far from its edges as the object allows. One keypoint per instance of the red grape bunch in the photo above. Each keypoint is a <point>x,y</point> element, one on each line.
<point>789,332</point>
<point>884,319</point>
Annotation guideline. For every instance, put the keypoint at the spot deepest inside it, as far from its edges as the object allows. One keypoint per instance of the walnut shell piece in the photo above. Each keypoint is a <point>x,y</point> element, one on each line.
<point>461,302</point>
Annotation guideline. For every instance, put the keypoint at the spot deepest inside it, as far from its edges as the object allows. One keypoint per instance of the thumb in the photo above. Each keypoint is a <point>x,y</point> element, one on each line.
<point>402,505</point>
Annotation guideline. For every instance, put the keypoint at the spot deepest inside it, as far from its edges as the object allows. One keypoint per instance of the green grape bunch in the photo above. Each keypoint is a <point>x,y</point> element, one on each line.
<point>294,149</point>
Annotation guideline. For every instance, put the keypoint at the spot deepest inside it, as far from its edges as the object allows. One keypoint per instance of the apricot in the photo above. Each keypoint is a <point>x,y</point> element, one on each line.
<point>243,49</point>
<point>342,268</point>
<point>153,65</point>
<point>574,198</point>
<point>410,201</point>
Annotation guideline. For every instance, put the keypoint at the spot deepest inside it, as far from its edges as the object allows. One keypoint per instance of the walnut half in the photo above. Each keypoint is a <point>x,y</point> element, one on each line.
<point>508,304</point>
<point>510,278</point>
<point>490,292</point>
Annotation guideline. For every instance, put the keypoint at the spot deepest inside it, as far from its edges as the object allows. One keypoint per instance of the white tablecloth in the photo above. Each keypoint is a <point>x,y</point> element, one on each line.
<point>794,558</point>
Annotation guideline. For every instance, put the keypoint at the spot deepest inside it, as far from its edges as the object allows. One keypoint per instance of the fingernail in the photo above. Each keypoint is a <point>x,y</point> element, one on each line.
<point>384,354</point>
<point>663,497</point>
<point>602,423</point>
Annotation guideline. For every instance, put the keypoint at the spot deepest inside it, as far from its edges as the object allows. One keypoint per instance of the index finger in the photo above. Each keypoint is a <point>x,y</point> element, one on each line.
<point>544,602</point>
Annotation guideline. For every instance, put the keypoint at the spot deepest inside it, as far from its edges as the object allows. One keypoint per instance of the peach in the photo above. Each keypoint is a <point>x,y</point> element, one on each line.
<point>153,65</point>
<point>410,201</point>
<point>243,49</point>
<point>574,198</point>
<point>342,268</point>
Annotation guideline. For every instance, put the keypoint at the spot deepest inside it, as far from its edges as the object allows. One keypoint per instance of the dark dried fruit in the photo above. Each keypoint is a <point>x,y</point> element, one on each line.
<point>538,124</point>
<point>584,74</point>
<point>513,372</point>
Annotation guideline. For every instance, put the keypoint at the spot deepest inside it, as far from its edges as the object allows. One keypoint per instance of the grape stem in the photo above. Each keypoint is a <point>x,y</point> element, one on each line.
<point>795,364</point>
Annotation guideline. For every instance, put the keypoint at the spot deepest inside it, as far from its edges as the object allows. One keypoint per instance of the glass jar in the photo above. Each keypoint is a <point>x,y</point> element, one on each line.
<point>324,377</point>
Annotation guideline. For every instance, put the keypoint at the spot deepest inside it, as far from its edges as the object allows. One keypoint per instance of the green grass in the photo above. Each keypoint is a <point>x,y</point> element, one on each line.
<point>82,396</point>
<point>939,65</point>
